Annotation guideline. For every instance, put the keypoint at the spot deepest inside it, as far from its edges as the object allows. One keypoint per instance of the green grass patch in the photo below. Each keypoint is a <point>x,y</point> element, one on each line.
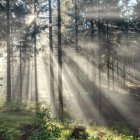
<point>10,124</point>
<point>42,127</point>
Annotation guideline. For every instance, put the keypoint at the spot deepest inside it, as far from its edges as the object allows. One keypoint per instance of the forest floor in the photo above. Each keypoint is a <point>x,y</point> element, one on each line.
<point>120,110</point>
<point>19,126</point>
<point>106,108</point>
<point>122,106</point>
<point>10,124</point>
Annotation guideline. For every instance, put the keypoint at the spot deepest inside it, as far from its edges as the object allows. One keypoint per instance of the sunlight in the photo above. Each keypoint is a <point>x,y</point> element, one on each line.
<point>69,69</point>
<point>29,19</point>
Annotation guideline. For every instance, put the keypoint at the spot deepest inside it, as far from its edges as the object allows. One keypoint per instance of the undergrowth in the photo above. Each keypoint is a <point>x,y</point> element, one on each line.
<point>44,127</point>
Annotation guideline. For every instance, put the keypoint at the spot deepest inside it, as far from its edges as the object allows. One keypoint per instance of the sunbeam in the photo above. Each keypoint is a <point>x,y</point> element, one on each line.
<point>69,69</point>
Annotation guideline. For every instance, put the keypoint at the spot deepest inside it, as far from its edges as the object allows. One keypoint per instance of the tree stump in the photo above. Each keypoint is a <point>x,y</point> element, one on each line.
<point>79,132</point>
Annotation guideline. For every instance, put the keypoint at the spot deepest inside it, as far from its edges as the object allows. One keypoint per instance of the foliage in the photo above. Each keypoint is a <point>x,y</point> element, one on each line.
<point>125,131</point>
<point>45,127</point>
<point>65,135</point>
<point>10,123</point>
<point>14,106</point>
<point>7,133</point>
<point>117,132</point>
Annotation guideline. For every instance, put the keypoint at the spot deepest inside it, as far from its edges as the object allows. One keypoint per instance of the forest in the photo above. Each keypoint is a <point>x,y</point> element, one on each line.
<point>69,70</point>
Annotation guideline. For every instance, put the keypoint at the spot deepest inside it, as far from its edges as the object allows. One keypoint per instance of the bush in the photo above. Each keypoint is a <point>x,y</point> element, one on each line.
<point>9,133</point>
<point>45,129</point>
<point>14,106</point>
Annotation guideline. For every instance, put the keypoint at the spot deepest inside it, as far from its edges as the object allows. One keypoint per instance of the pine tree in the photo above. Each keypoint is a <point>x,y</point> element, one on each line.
<point>52,92</point>
<point>61,115</point>
<point>8,53</point>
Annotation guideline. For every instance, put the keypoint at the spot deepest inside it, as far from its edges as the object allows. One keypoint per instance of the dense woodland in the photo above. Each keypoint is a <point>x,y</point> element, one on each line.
<point>71,68</point>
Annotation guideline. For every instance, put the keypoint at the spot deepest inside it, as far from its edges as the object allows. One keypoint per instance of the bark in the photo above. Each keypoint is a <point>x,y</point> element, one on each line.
<point>76,40</point>
<point>52,92</point>
<point>99,55</point>
<point>61,116</point>
<point>8,54</point>
<point>35,61</point>
<point>124,75</point>
<point>113,73</point>
<point>20,96</point>
<point>108,59</point>
<point>117,70</point>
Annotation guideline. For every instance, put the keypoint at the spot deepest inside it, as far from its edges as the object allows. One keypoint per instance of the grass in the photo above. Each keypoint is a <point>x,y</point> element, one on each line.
<point>10,124</point>
<point>14,119</point>
<point>111,133</point>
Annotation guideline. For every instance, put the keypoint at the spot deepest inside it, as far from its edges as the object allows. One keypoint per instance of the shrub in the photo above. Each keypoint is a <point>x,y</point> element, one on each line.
<point>9,133</point>
<point>45,129</point>
<point>14,106</point>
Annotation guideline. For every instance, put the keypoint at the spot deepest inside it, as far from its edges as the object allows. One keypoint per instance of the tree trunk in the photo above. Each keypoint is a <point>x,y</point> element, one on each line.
<point>76,40</point>
<point>52,92</point>
<point>93,56</point>
<point>124,75</point>
<point>35,60</point>
<point>60,64</point>
<point>117,70</point>
<point>113,73</point>
<point>108,59</point>
<point>20,96</point>
<point>99,55</point>
<point>8,54</point>
<point>28,81</point>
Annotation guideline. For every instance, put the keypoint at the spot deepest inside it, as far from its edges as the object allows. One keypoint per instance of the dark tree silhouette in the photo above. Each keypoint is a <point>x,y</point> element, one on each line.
<point>8,53</point>
<point>61,115</point>
<point>52,92</point>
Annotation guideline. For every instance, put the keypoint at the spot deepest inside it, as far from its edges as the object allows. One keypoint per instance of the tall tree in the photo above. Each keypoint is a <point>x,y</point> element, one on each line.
<point>20,57</point>
<point>52,92</point>
<point>108,56</point>
<point>35,56</point>
<point>8,53</point>
<point>76,35</point>
<point>60,63</point>
<point>99,52</point>
<point>76,24</point>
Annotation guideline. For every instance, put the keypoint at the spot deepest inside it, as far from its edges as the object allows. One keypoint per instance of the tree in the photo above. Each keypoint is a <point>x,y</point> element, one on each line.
<point>52,92</point>
<point>8,53</point>
<point>20,52</point>
<point>61,115</point>
<point>35,57</point>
